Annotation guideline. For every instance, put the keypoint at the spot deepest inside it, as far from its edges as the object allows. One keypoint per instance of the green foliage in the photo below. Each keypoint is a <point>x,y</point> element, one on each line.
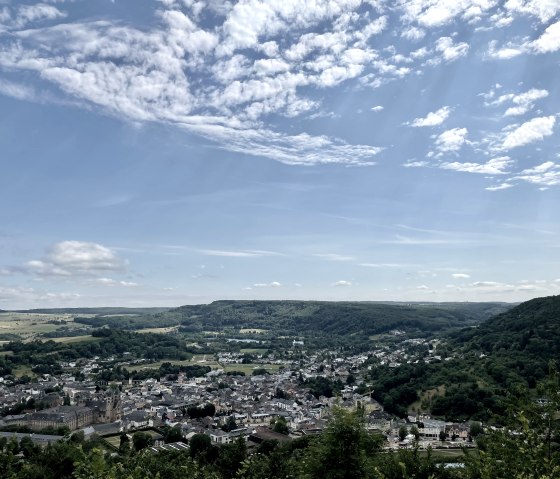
<point>527,447</point>
<point>322,386</point>
<point>326,324</point>
<point>281,426</point>
<point>344,449</point>
<point>43,354</point>
<point>142,440</point>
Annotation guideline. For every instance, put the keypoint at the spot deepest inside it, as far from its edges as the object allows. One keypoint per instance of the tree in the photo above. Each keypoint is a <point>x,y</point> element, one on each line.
<point>344,449</point>
<point>173,434</point>
<point>415,432</point>
<point>199,446</point>
<point>230,424</point>
<point>402,433</point>
<point>142,440</point>
<point>281,426</point>
<point>442,435</point>
<point>231,457</point>
<point>527,445</point>
<point>28,447</point>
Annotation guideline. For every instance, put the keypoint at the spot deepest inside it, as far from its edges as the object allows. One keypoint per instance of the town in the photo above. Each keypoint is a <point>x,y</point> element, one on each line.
<point>274,400</point>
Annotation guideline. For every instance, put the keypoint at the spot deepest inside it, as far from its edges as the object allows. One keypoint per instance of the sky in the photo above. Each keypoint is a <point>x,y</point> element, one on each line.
<point>160,153</point>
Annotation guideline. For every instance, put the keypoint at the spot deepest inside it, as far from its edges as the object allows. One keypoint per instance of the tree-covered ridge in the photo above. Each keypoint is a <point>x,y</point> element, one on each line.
<point>480,365</point>
<point>340,318</point>
<point>532,328</point>
<point>44,356</point>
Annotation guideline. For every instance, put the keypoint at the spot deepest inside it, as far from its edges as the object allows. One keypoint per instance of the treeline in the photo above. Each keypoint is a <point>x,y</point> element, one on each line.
<point>481,364</point>
<point>166,370</point>
<point>130,322</point>
<point>339,318</point>
<point>44,354</point>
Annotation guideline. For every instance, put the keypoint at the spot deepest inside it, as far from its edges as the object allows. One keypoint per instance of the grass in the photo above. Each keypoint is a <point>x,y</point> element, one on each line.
<point>253,351</point>
<point>249,368</point>
<point>87,338</point>
<point>444,453</point>
<point>114,441</point>
<point>209,361</point>
<point>157,330</point>
<point>427,397</point>
<point>31,325</point>
<point>23,371</point>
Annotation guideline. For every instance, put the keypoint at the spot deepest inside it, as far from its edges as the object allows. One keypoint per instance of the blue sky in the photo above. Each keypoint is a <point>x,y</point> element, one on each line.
<point>180,151</point>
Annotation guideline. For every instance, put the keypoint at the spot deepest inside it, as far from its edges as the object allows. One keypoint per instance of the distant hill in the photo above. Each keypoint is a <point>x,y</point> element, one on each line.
<point>531,329</point>
<point>485,363</point>
<point>98,311</point>
<point>340,318</point>
<point>306,318</point>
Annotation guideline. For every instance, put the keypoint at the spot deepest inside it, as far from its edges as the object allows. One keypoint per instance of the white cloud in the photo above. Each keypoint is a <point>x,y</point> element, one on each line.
<point>546,174</point>
<point>413,33</point>
<point>502,186</point>
<point>273,284</point>
<point>18,91</point>
<point>436,13</point>
<point>114,282</point>
<point>549,41</point>
<point>542,168</point>
<point>460,276</point>
<point>525,101</point>
<point>416,164</point>
<point>533,130</point>
<point>71,258</point>
<point>341,283</point>
<point>543,9</point>
<point>495,166</point>
<point>387,265</point>
<point>433,118</point>
<point>504,53</point>
<point>27,14</point>
<point>334,257</point>
<point>451,51</point>
<point>20,297</point>
<point>377,108</point>
<point>147,75</point>
<point>238,254</point>
<point>251,20</point>
<point>451,140</point>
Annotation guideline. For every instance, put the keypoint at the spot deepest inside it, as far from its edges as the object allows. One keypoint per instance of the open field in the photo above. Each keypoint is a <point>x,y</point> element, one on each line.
<point>170,329</point>
<point>23,371</point>
<point>87,338</point>
<point>445,453</point>
<point>114,441</point>
<point>254,350</point>
<point>207,360</point>
<point>30,325</point>
<point>249,368</point>
<point>427,397</point>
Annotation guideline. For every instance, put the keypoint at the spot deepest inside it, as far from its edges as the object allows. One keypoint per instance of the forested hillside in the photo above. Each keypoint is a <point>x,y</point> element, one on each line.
<point>481,365</point>
<point>531,329</point>
<point>339,318</point>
